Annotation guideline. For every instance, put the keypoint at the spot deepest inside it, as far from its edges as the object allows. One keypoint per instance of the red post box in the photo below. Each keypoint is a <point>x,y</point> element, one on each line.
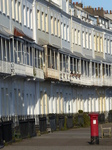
<point>94,128</point>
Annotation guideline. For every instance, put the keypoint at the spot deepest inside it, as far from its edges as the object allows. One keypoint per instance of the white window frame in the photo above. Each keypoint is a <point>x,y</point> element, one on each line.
<point>24,12</point>
<point>52,26</point>
<point>58,28</point>
<point>46,22</point>
<point>38,18</point>
<point>62,29</point>
<point>43,21</point>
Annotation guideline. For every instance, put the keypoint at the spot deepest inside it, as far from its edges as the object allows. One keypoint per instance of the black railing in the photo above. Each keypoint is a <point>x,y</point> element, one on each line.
<point>69,121</point>
<point>42,124</point>
<point>6,131</point>
<point>52,120</point>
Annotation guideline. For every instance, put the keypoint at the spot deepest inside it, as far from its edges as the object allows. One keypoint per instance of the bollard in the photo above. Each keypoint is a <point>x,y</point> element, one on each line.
<point>94,128</point>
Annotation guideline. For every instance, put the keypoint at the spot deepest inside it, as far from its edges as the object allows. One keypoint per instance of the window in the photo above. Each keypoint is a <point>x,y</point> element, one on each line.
<point>90,44</point>
<point>43,23</point>
<point>4,6</point>
<point>111,47</point>
<point>68,33</point>
<point>79,43</point>
<point>105,45</point>
<point>96,70</point>
<point>65,31</point>
<point>58,28</point>
<point>52,29</point>
<point>16,11</point>
<point>108,44</point>
<point>75,36</point>
<point>7,7</point>
<point>46,22</point>
<point>101,44</point>
<point>24,11</point>
<point>95,42</point>
<point>55,22</point>
<point>1,6</point>
<point>19,4</point>
<point>28,17</point>
<point>107,70</point>
<point>38,18</point>
<point>83,36</point>
<point>93,69</point>
<point>98,45</point>
<point>31,19</point>
<point>62,30</point>
<point>86,40</point>
<point>12,3</point>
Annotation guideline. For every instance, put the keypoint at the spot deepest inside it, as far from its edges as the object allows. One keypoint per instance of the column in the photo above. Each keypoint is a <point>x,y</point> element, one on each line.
<point>5,57</point>
<point>73,64</point>
<point>16,51</point>
<point>1,48</point>
<point>84,68</point>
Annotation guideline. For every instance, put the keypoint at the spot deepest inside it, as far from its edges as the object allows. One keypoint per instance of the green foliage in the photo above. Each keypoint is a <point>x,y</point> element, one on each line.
<point>82,120</point>
<point>86,120</point>
<point>65,124</point>
<point>110,111</point>
<point>80,111</point>
<point>34,71</point>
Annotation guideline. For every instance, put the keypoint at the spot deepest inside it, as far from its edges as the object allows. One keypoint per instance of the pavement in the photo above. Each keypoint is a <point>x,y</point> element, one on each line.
<point>73,139</point>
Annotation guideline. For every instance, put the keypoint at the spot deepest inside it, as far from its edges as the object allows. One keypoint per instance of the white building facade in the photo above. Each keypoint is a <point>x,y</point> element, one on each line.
<point>54,58</point>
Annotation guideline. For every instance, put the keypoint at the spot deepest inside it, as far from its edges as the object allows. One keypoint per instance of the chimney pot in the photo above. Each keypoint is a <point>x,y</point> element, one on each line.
<point>110,12</point>
<point>98,8</point>
<point>76,3</point>
<point>102,8</point>
<point>95,8</point>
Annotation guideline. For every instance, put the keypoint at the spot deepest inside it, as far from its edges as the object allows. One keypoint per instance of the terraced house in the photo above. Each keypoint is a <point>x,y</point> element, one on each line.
<point>55,57</point>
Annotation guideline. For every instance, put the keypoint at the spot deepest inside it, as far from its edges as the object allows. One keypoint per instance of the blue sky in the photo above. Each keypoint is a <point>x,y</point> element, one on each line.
<point>106,4</point>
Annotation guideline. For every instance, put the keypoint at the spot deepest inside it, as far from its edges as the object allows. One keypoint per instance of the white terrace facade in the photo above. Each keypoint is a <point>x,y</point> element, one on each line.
<point>54,58</point>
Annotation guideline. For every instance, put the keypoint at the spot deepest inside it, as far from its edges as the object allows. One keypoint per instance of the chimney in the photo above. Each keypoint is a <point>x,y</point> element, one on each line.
<point>110,12</point>
<point>73,3</point>
<point>107,11</point>
<point>98,8</point>
<point>101,8</point>
<point>76,3</point>
<point>95,8</point>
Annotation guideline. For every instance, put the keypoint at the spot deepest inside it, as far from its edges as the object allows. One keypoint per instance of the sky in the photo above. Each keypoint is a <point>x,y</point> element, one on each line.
<point>106,4</point>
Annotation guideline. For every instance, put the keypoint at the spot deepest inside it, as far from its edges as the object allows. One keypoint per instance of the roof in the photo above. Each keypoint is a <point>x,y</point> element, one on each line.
<point>19,33</point>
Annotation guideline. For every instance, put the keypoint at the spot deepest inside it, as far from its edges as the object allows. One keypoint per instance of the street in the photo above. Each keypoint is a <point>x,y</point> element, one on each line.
<point>73,139</point>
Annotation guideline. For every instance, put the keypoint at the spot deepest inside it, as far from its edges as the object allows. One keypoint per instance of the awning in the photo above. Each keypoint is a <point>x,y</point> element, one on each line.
<point>37,46</point>
<point>19,33</point>
<point>78,55</point>
<point>5,32</point>
<point>65,51</point>
<point>98,58</point>
<point>42,42</point>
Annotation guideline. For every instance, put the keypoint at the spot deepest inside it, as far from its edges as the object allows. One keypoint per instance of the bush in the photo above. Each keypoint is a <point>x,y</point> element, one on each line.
<point>110,111</point>
<point>86,120</point>
<point>83,121</point>
<point>80,111</point>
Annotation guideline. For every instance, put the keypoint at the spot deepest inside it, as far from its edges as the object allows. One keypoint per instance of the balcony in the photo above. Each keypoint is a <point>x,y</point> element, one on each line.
<point>5,67</point>
<point>64,76</point>
<point>38,73</point>
<point>25,70</point>
<point>85,80</point>
<point>52,74</point>
<point>79,79</point>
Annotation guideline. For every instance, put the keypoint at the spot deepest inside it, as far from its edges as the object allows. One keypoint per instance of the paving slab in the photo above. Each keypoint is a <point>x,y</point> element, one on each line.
<point>73,139</point>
